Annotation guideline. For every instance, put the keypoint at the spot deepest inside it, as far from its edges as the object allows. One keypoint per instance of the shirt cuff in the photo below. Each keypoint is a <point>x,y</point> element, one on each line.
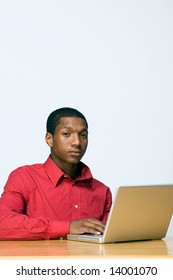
<point>59,229</point>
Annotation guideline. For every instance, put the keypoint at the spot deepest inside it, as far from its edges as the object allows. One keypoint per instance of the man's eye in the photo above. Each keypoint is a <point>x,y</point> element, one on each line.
<point>84,135</point>
<point>66,134</point>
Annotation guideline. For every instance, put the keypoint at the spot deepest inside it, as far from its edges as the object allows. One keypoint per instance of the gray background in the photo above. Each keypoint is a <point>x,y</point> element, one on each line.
<point>113,61</point>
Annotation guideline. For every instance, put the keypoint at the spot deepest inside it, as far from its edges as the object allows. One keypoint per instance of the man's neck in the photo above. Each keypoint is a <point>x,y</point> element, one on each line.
<point>73,170</point>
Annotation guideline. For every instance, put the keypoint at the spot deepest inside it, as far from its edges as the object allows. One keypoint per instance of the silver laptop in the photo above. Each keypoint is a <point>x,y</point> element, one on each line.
<point>137,213</point>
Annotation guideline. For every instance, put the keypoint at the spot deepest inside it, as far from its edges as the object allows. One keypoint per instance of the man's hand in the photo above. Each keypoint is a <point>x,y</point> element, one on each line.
<point>90,225</point>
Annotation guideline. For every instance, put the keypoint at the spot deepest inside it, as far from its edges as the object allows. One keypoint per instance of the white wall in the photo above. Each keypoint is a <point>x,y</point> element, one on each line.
<point>112,60</point>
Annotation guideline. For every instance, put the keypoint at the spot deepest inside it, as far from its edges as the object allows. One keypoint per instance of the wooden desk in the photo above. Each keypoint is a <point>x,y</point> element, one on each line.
<point>51,249</point>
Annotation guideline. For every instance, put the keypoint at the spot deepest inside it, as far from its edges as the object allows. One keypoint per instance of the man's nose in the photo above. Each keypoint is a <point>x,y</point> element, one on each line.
<point>76,139</point>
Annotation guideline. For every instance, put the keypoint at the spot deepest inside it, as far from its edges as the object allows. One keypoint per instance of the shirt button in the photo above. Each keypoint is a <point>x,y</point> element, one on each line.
<point>76,206</point>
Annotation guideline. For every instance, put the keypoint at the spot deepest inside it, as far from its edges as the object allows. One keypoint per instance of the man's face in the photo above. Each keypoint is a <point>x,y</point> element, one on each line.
<point>69,142</point>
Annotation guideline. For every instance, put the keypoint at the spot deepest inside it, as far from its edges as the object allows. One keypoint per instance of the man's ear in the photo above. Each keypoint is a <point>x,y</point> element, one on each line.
<point>49,139</point>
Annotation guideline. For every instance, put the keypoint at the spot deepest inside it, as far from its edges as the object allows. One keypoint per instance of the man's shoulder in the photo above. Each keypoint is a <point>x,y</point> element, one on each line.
<point>99,184</point>
<point>96,183</point>
<point>27,169</point>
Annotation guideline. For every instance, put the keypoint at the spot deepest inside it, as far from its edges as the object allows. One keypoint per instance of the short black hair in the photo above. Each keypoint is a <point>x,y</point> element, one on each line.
<point>54,118</point>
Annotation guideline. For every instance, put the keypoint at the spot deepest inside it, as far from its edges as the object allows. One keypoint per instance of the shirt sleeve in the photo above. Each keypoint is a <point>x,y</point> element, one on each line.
<point>15,224</point>
<point>108,204</point>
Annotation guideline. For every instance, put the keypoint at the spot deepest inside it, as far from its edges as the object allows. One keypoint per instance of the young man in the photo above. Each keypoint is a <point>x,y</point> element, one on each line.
<point>60,196</point>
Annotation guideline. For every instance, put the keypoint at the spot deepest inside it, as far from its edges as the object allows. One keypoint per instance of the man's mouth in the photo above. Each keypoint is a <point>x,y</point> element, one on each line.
<point>75,153</point>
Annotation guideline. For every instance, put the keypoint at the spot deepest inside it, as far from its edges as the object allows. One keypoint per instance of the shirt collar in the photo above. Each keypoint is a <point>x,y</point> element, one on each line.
<point>55,173</point>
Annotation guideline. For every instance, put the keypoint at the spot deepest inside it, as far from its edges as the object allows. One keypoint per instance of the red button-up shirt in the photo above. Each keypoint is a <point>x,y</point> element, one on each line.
<point>39,201</point>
